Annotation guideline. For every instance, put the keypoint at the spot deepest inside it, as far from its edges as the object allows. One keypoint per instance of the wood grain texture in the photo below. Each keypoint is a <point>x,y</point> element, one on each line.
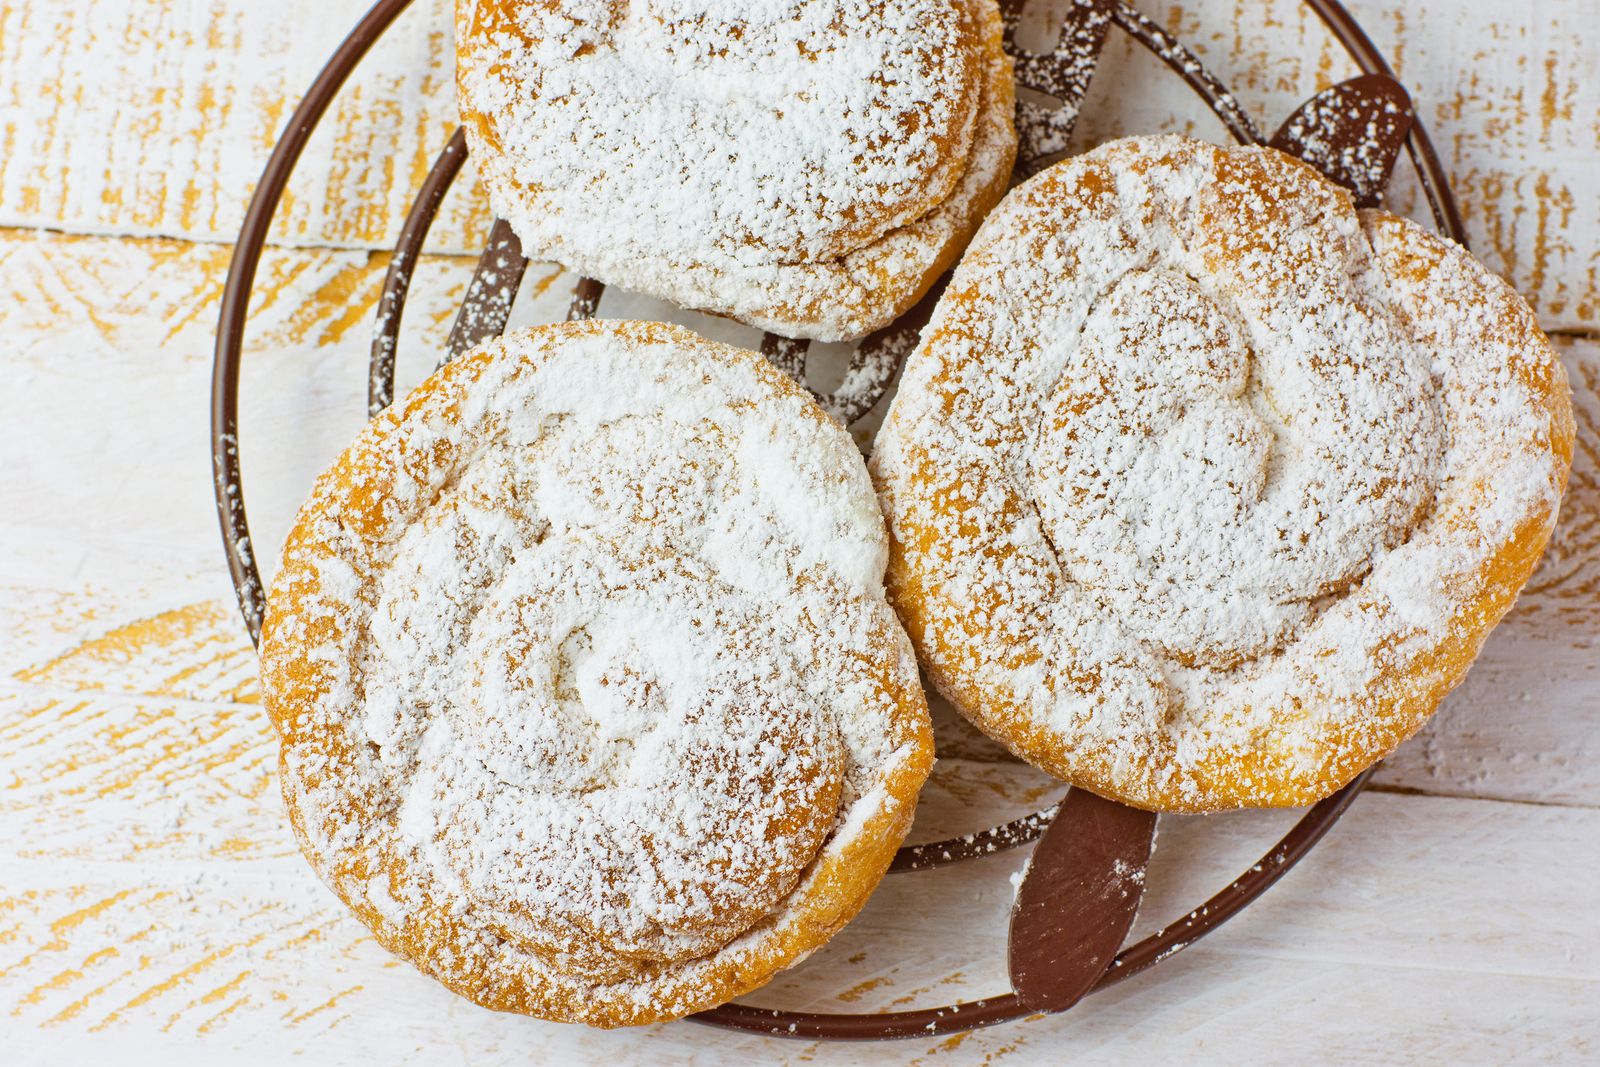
<point>156,117</point>
<point>111,327</point>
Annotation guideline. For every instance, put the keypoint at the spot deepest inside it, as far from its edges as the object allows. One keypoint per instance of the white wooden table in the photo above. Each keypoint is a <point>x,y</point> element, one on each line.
<point>152,904</point>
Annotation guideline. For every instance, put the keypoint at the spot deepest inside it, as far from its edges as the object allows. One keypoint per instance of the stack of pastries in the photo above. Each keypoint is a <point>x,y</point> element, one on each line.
<point>595,660</point>
<point>806,166</point>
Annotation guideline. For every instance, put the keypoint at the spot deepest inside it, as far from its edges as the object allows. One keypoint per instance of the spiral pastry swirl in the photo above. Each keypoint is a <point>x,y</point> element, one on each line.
<point>806,166</point>
<point>1203,487</point>
<point>591,701</point>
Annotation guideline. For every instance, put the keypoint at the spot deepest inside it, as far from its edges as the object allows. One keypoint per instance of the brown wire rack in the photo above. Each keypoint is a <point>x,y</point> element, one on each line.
<point>1062,76</point>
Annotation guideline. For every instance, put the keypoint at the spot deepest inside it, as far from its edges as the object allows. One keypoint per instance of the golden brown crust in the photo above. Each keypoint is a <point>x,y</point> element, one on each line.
<point>982,591</point>
<point>345,810</point>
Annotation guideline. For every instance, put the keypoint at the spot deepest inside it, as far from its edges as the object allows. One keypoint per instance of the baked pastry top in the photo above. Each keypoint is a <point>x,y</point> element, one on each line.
<point>591,702</point>
<point>806,166</point>
<point>1205,487</point>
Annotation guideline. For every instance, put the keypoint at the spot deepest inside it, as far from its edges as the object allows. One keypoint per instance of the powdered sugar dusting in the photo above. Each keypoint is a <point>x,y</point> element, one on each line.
<point>803,165</point>
<point>1198,469</point>
<point>605,674</point>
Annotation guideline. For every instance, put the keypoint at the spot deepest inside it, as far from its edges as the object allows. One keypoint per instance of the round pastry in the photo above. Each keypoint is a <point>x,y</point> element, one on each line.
<point>1203,487</point>
<point>806,166</point>
<point>591,702</point>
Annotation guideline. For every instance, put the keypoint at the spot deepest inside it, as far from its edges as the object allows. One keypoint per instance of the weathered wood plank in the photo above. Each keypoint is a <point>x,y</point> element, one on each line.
<point>157,117</point>
<point>1437,923</point>
<point>133,543</point>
